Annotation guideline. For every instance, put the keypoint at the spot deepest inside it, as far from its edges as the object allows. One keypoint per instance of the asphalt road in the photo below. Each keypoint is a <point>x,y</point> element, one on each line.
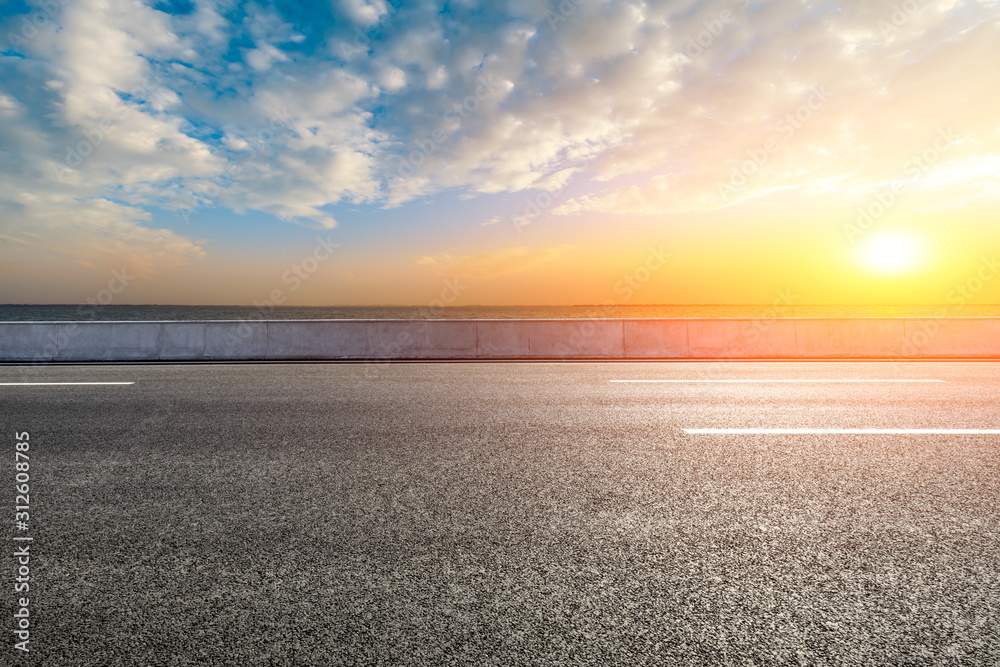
<point>503,514</point>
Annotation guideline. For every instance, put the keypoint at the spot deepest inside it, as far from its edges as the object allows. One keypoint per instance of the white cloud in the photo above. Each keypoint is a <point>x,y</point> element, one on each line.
<point>263,57</point>
<point>437,78</point>
<point>362,11</point>
<point>486,99</point>
<point>96,231</point>
<point>392,79</point>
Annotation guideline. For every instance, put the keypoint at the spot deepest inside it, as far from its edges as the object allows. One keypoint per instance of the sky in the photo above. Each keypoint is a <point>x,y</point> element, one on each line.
<point>362,152</point>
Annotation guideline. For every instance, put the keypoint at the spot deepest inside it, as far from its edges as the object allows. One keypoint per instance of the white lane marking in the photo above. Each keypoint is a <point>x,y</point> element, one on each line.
<point>842,431</point>
<point>763,381</point>
<point>49,384</point>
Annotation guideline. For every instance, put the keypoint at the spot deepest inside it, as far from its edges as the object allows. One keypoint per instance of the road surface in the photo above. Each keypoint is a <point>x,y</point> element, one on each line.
<point>509,513</point>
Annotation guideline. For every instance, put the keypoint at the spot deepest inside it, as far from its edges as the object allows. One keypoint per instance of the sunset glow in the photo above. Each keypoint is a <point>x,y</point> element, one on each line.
<point>365,152</point>
<point>892,254</point>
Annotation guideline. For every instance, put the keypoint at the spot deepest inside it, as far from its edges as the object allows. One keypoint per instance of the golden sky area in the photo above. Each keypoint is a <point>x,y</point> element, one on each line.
<point>361,152</point>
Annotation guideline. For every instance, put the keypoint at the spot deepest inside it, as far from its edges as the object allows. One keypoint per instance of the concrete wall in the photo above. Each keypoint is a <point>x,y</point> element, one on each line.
<point>790,338</point>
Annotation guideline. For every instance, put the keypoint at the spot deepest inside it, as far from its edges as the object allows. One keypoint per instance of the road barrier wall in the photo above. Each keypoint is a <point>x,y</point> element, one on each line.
<point>292,340</point>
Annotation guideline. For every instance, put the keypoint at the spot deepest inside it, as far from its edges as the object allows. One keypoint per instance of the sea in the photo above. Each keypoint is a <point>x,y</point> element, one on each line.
<point>57,313</point>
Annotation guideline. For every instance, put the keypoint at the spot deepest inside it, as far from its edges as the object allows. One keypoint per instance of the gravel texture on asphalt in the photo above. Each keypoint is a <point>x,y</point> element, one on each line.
<point>506,514</point>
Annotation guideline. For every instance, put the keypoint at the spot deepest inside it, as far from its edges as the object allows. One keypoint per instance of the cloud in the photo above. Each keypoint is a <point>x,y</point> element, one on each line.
<point>651,105</point>
<point>92,232</point>
<point>362,11</point>
<point>656,195</point>
<point>493,264</point>
<point>263,57</point>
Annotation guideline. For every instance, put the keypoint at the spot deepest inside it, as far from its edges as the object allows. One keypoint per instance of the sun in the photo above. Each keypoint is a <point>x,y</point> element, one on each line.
<point>892,253</point>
